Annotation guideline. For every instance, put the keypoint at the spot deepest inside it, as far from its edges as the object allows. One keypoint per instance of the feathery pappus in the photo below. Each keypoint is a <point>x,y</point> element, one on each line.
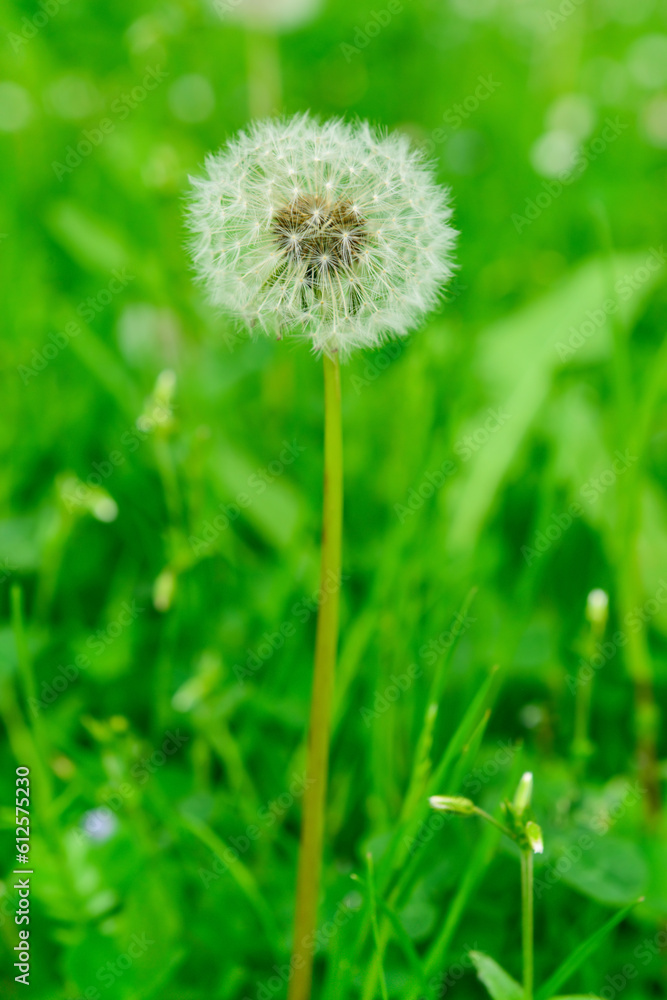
<point>326,230</point>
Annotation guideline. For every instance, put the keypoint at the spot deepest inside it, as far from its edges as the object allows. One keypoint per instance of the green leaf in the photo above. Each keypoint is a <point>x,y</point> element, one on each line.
<point>517,360</point>
<point>499,983</point>
<point>412,819</point>
<point>402,937</point>
<point>614,873</point>
<point>580,954</point>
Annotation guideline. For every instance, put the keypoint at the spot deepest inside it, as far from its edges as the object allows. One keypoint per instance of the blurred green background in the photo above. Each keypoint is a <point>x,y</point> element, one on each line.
<point>156,634</point>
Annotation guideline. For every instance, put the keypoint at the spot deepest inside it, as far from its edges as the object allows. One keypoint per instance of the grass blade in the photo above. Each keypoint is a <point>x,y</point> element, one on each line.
<point>498,983</point>
<point>407,829</point>
<point>580,954</point>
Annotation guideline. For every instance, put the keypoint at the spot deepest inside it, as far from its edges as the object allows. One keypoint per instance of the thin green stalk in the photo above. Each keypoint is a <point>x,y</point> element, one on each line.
<point>582,746</point>
<point>527,921</point>
<point>264,74</point>
<point>491,819</point>
<point>633,421</point>
<point>374,922</point>
<point>326,641</point>
<point>29,685</point>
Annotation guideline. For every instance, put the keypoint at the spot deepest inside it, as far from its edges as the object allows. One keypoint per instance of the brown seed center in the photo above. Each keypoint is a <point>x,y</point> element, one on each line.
<point>320,237</point>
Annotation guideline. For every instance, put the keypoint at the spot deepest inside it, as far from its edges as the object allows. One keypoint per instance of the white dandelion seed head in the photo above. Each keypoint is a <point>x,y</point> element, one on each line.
<point>326,230</point>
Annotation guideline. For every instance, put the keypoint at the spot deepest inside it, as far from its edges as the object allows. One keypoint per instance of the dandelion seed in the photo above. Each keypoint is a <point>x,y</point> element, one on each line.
<point>327,231</point>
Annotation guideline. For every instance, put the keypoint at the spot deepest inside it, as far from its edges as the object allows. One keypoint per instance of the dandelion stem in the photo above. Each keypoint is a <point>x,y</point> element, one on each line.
<point>527,921</point>
<point>264,74</point>
<point>326,640</point>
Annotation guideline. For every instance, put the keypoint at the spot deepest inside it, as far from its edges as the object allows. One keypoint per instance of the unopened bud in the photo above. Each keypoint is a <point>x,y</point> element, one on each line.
<point>524,794</point>
<point>534,837</point>
<point>452,804</point>
<point>597,607</point>
<point>163,590</point>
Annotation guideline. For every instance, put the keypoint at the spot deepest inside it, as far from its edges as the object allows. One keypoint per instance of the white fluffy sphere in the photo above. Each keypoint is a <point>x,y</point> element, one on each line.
<point>325,230</point>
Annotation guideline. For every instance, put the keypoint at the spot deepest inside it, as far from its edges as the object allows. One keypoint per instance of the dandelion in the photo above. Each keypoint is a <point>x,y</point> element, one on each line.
<point>332,233</point>
<point>329,231</point>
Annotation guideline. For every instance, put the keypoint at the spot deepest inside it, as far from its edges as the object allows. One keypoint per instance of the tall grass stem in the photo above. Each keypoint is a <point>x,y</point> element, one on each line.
<point>527,921</point>
<point>326,641</point>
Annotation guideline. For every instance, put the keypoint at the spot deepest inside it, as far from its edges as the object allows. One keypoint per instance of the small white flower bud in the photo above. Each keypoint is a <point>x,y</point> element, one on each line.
<point>164,589</point>
<point>523,794</point>
<point>534,835</point>
<point>453,804</point>
<point>597,607</point>
<point>104,508</point>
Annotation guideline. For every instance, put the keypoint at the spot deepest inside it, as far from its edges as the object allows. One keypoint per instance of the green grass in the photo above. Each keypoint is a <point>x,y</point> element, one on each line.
<point>188,722</point>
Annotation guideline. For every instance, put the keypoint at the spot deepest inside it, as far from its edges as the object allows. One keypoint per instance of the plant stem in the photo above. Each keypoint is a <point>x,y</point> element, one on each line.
<point>494,821</point>
<point>264,74</point>
<point>527,922</point>
<point>326,640</point>
<point>582,747</point>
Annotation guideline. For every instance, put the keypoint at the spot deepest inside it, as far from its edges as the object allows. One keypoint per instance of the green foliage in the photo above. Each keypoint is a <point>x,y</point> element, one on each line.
<point>500,985</point>
<point>499,464</point>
